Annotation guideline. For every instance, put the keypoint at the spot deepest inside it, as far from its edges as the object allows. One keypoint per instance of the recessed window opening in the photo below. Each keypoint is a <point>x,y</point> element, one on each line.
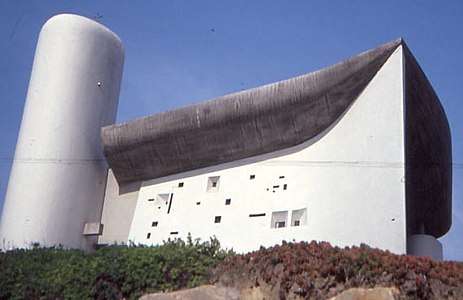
<point>227,201</point>
<point>180,184</point>
<point>281,177</point>
<point>154,224</point>
<point>148,235</point>
<point>257,215</point>
<point>162,199</point>
<point>276,186</point>
<point>151,199</point>
<point>213,184</point>
<point>170,202</point>
<point>299,217</point>
<point>252,177</point>
<point>174,232</point>
<point>198,203</point>
<point>217,219</point>
<point>279,219</point>
<point>280,224</point>
<point>285,186</point>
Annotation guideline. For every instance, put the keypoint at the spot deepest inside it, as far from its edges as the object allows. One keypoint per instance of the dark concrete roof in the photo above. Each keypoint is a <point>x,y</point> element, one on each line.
<point>428,155</point>
<point>239,125</point>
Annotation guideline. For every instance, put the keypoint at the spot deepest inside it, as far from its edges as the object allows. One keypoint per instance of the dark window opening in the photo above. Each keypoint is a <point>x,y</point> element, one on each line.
<point>180,184</point>
<point>151,199</point>
<point>154,224</point>
<point>297,223</point>
<point>148,235</point>
<point>252,177</point>
<point>170,202</point>
<point>198,203</point>
<point>285,186</point>
<point>217,219</point>
<point>257,215</point>
<point>174,232</point>
<point>281,177</point>
<point>227,201</point>
<point>276,186</point>
<point>214,184</point>
<point>280,224</point>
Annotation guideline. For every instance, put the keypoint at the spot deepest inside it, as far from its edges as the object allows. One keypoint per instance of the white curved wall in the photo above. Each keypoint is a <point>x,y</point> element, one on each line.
<point>345,186</point>
<point>58,175</point>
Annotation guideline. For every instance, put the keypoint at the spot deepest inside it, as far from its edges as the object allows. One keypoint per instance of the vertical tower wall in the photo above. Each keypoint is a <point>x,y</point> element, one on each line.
<point>58,175</point>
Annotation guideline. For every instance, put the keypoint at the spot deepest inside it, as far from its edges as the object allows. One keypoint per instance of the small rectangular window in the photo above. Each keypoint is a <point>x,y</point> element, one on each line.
<point>299,217</point>
<point>217,219</point>
<point>198,203</point>
<point>285,186</point>
<point>280,224</point>
<point>227,201</point>
<point>148,235</point>
<point>213,184</point>
<point>279,219</point>
<point>154,224</point>
<point>252,177</point>
<point>257,215</point>
<point>151,199</point>
<point>174,232</point>
<point>180,184</point>
<point>276,186</point>
<point>281,177</point>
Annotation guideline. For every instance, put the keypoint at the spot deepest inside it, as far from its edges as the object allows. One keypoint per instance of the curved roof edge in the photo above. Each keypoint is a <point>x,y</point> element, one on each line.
<point>239,125</point>
<point>428,155</point>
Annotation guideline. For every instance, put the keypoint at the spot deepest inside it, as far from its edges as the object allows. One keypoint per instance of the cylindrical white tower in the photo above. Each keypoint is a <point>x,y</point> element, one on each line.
<point>58,175</point>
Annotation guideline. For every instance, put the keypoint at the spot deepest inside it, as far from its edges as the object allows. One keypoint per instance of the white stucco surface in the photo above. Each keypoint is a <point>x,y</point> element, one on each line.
<point>349,180</point>
<point>58,175</point>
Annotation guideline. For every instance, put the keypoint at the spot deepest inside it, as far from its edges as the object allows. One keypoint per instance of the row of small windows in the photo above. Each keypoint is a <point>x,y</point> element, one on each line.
<point>213,184</point>
<point>280,218</point>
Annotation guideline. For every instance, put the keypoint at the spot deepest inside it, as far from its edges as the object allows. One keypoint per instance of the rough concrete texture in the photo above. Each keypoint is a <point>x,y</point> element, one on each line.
<point>428,155</point>
<point>240,125</point>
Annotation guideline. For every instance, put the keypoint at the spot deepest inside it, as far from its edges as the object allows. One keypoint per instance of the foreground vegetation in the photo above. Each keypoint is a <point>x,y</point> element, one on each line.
<point>288,271</point>
<point>317,270</point>
<point>112,272</point>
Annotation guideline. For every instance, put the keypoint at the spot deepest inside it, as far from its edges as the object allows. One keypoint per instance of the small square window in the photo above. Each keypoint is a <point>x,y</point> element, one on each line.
<point>227,201</point>
<point>180,184</point>
<point>297,223</point>
<point>148,235</point>
<point>279,219</point>
<point>213,184</point>
<point>154,224</point>
<point>280,224</point>
<point>217,219</point>
<point>252,177</point>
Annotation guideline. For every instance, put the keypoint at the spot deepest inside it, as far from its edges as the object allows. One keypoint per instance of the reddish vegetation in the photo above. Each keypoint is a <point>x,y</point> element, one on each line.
<point>318,270</point>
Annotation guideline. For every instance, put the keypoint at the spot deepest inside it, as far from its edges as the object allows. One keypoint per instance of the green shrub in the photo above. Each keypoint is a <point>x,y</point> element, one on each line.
<point>112,272</point>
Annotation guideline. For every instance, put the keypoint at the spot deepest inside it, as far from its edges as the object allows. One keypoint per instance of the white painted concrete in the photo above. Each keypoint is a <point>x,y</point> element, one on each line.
<point>350,180</point>
<point>58,175</point>
<point>425,245</point>
<point>118,211</point>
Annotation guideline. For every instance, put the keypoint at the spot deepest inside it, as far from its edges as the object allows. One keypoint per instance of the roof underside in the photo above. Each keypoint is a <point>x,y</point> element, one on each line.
<point>239,125</point>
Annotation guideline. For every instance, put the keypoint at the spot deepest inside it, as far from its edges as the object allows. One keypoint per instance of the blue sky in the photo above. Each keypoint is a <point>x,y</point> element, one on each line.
<point>181,52</point>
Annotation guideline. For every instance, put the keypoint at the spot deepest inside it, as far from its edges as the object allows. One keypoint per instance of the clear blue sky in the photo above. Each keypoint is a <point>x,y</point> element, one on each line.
<point>181,52</point>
